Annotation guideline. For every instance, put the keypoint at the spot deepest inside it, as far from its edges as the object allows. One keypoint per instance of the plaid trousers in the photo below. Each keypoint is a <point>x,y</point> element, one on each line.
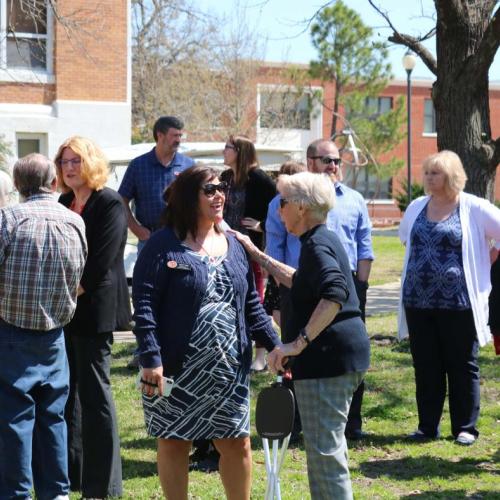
<point>323,407</point>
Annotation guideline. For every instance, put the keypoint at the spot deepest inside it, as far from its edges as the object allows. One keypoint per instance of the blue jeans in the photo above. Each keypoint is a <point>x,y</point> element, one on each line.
<point>34,385</point>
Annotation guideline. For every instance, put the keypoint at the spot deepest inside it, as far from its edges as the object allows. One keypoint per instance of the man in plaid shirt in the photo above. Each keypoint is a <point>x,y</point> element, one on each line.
<point>148,175</point>
<point>42,255</point>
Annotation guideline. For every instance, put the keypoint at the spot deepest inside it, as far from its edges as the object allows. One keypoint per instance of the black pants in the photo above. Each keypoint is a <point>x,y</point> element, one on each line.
<point>94,462</point>
<point>444,347</point>
<point>354,421</point>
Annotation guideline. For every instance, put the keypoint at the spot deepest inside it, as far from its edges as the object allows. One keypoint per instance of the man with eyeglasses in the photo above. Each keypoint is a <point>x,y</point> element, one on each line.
<point>350,221</point>
<point>150,174</point>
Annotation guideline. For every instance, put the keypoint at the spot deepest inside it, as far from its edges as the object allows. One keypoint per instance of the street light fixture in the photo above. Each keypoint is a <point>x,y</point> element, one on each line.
<point>409,62</point>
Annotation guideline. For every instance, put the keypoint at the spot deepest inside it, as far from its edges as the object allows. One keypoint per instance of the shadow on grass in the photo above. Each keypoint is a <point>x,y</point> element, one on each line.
<point>455,494</point>
<point>123,371</point>
<point>407,468</point>
<point>387,402</point>
<point>132,469</point>
<point>146,443</point>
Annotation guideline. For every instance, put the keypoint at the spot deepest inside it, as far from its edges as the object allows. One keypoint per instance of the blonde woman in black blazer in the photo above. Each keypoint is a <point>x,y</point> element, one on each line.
<point>93,442</point>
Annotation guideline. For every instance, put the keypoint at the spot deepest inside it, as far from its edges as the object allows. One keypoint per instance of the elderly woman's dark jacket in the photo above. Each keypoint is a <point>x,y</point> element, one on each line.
<point>167,290</point>
<point>105,305</point>
<point>324,273</point>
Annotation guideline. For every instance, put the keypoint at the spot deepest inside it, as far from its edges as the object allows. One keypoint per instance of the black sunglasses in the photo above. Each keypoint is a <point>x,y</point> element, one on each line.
<point>327,159</point>
<point>210,189</point>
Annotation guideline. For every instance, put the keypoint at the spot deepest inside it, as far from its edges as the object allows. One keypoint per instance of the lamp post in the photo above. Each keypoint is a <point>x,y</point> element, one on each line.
<point>409,61</point>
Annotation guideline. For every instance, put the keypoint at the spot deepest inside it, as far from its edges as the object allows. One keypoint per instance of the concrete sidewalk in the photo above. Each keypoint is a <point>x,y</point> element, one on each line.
<point>383,298</point>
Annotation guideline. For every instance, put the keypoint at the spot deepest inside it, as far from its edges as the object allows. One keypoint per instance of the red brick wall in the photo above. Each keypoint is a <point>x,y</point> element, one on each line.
<point>26,93</point>
<point>90,61</point>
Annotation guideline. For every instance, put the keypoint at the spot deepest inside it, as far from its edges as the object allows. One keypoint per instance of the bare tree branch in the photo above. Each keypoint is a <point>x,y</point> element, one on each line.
<point>409,41</point>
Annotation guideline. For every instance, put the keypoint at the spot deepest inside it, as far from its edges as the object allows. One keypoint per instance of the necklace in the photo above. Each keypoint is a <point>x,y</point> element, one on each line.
<point>211,258</point>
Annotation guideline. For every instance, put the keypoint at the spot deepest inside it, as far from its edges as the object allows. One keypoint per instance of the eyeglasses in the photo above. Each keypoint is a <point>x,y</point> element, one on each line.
<point>326,159</point>
<point>210,189</point>
<point>73,161</point>
<point>283,202</point>
<point>230,146</point>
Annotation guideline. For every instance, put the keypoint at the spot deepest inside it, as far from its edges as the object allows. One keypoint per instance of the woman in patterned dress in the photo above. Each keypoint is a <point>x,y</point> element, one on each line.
<point>196,312</point>
<point>444,303</point>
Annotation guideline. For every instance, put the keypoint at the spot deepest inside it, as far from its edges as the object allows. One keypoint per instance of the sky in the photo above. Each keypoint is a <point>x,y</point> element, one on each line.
<point>284,24</point>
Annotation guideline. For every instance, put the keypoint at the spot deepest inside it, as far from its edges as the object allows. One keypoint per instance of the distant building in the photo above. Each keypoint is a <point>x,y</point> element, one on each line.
<point>301,124</point>
<point>63,78</point>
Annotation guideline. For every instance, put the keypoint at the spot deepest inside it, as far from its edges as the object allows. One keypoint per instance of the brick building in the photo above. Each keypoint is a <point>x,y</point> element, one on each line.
<point>64,73</point>
<point>318,124</point>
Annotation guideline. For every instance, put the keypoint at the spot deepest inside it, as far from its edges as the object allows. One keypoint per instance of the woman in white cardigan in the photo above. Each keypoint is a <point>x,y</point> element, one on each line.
<point>444,295</point>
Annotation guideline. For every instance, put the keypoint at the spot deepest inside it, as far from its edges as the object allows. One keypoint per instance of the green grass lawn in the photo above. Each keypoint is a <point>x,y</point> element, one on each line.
<point>389,255</point>
<point>383,466</point>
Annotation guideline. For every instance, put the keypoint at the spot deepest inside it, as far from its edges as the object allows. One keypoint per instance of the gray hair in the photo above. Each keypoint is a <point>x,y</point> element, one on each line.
<point>34,174</point>
<point>314,191</point>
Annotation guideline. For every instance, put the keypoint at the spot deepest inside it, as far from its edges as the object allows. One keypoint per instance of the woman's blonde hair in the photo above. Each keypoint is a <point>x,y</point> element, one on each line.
<point>315,191</point>
<point>94,165</point>
<point>450,164</point>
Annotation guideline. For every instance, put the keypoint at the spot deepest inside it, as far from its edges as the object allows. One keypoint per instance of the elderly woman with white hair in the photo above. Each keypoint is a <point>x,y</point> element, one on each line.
<point>331,347</point>
<point>6,188</point>
<point>444,298</point>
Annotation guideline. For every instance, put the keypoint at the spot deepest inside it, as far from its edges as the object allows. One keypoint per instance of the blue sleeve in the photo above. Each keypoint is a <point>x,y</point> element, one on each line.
<point>127,187</point>
<point>148,284</point>
<point>275,232</point>
<point>364,234</point>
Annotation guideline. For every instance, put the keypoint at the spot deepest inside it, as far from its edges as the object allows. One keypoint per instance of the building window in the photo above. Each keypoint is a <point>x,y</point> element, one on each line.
<point>429,117</point>
<point>25,36</point>
<point>28,143</point>
<point>368,184</point>
<point>372,109</point>
<point>376,106</point>
<point>285,110</point>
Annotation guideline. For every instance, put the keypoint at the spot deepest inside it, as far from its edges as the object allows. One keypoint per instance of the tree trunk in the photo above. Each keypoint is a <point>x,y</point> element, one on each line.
<point>460,93</point>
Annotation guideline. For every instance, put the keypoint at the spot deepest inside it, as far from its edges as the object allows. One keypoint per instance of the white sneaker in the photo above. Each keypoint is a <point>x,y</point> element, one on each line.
<point>465,438</point>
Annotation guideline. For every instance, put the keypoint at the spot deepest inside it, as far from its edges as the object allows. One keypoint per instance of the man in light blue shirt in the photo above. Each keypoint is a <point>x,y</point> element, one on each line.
<point>350,221</point>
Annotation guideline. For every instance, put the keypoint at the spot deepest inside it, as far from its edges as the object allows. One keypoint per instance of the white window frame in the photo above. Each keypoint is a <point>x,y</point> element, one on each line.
<point>27,75</point>
<point>30,136</point>
<point>433,133</point>
<point>265,87</point>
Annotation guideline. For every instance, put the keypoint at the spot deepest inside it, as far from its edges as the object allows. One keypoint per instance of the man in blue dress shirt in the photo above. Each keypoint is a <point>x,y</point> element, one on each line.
<point>350,221</point>
<point>150,174</point>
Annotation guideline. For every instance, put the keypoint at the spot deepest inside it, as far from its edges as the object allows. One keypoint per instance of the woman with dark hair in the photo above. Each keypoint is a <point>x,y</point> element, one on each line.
<point>94,463</point>
<point>196,309</point>
<point>249,195</point>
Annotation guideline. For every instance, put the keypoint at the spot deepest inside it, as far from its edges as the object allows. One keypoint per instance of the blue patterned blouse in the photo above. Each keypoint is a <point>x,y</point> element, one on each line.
<point>435,274</point>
